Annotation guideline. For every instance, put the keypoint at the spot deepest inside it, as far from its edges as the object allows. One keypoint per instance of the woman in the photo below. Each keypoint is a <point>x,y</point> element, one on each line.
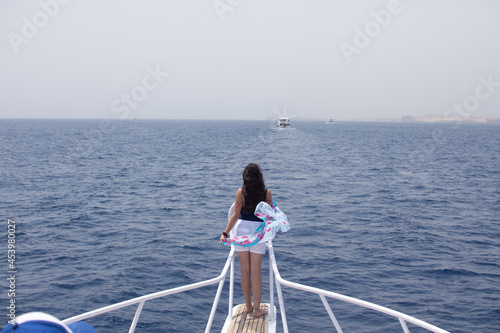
<point>248,196</point>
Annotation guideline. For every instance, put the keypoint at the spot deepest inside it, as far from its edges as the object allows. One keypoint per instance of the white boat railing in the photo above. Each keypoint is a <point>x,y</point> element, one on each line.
<point>274,276</point>
<point>403,318</point>
<point>141,300</point>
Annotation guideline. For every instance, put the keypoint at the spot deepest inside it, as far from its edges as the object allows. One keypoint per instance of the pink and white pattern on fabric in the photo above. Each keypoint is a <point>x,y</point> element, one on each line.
<point>274,220</point>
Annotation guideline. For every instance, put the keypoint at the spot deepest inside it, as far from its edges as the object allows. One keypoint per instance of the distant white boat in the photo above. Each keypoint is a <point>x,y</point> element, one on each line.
<point>330,121</point>
<point>283,123</point>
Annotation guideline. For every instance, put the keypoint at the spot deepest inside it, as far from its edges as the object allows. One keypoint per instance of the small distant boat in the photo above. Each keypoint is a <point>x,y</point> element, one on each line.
<point>283,123</point>
<point>330,121</point>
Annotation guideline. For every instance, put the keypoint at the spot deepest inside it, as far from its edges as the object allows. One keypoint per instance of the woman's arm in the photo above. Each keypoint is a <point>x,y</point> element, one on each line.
<point>269,198</point>
<point>238,204</point>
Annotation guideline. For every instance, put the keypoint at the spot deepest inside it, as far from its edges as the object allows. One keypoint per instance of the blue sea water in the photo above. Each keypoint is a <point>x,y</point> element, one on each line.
<point>404,215</point>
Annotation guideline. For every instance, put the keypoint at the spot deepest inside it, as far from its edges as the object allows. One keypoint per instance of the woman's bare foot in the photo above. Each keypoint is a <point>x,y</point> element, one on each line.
<point>259,313</point>
<point>248,310</point>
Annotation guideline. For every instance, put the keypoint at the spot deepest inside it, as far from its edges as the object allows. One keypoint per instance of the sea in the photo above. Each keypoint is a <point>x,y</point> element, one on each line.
<point>404,215</point>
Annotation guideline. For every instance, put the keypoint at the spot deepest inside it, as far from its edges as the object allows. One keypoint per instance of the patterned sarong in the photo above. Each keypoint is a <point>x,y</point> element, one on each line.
<point>274,220</point>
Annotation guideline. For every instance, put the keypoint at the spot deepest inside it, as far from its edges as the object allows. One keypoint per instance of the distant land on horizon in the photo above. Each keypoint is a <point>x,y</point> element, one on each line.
<point>430,118</point>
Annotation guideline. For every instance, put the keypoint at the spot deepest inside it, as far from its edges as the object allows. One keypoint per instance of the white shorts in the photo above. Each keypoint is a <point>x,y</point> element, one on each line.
<point>244,227</point>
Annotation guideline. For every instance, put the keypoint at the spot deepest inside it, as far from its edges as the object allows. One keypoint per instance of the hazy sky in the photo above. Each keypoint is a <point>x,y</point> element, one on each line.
<point>248,59</point>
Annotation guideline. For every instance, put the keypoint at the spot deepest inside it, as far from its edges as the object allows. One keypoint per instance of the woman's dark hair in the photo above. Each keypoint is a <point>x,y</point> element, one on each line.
<point>254,188</point>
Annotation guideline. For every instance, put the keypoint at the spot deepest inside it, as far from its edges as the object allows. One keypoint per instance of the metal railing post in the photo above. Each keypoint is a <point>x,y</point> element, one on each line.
<point>282,306</point>
<point>272,260</point>
<point>403,324</point>
<point>214,306</point>
<point>136,317</point>
<point>330,313</point>
<point>231,287</point>
<point>271,286</point>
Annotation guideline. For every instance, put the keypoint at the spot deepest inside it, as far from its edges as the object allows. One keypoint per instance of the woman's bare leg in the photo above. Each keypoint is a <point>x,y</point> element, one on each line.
<point>256,269</point>
<point>246,286</point>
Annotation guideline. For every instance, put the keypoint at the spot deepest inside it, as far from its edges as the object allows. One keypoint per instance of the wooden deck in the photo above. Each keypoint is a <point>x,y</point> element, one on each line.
<point>244,322</point>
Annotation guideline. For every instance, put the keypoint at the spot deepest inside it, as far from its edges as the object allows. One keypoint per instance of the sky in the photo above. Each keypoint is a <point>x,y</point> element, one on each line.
<point>249,59</point>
